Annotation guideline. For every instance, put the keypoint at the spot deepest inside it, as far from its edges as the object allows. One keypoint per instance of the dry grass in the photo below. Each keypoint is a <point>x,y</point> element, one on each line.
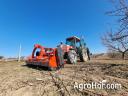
<point>20,80</point>
<point>108,61</point>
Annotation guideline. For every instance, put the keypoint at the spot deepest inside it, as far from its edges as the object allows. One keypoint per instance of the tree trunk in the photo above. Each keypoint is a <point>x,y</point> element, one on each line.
<point>123,53</point>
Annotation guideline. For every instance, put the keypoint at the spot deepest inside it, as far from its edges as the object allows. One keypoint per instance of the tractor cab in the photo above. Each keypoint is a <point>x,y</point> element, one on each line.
<point>79,46</point>
<point>73,41</point>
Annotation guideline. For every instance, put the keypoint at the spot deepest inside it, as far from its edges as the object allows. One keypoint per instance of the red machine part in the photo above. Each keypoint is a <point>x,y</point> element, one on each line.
<point>47,57</point>
<point>65,47</point>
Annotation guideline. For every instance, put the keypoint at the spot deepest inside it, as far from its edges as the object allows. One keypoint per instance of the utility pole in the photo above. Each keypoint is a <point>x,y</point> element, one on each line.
<point>19,53</point>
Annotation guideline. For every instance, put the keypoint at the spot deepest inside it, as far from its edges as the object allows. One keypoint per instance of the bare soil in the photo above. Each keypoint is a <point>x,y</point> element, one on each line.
<point>17,79</point>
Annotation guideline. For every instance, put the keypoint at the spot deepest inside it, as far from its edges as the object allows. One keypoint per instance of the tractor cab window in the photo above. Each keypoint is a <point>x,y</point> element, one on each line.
<point>71,43</point>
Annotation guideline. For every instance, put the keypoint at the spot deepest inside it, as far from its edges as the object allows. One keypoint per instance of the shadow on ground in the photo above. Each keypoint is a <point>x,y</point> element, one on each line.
<point>37,67</point>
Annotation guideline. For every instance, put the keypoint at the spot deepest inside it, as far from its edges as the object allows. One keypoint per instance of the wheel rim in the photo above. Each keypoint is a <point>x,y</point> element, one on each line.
<point>85,56</point>
<point>73,57</point>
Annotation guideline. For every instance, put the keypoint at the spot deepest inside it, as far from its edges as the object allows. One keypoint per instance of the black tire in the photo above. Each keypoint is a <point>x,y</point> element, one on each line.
<point>88,53</point>
<point>84,55</point>
<point>72,57</point>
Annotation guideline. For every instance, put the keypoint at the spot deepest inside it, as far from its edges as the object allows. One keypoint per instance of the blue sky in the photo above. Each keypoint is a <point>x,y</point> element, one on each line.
<point>48,22</point>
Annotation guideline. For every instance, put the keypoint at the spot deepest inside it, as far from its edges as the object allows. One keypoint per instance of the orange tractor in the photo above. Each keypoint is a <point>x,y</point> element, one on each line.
<point>55,58</point>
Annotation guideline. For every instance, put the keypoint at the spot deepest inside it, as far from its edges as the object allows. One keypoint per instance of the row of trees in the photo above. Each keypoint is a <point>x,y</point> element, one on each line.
<point>118,41</point>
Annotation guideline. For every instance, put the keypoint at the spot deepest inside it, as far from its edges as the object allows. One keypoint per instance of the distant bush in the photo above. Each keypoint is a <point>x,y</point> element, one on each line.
<point>112,55</point>
<point>117,55</point>
<point>22,57</point>
<point>97,55</point>
<point>1,57</point>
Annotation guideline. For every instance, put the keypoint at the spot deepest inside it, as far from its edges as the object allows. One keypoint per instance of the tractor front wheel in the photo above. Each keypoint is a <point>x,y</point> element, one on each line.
<point>84,55</point>
<point>72,57</point>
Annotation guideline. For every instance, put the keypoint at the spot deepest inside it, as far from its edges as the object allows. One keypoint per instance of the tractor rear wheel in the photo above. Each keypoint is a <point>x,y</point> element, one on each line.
<point>84,55</point>
<point>72,57</point>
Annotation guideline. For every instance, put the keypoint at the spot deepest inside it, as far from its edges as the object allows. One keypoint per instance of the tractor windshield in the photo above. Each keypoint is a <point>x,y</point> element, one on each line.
<point>71,43</point>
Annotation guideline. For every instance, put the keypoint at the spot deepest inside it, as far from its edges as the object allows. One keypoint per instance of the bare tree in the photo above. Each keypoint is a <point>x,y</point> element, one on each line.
<point>120,11</point>
<point>118,41</point>
<point>117,45</point>
<point>111,54</point>
<point>1,57</point>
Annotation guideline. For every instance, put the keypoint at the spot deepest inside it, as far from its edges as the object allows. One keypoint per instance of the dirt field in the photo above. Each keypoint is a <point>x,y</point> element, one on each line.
<point>17,79</point>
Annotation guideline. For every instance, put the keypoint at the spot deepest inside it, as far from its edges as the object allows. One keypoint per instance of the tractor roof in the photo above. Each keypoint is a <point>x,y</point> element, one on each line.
<point>73,38</point>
